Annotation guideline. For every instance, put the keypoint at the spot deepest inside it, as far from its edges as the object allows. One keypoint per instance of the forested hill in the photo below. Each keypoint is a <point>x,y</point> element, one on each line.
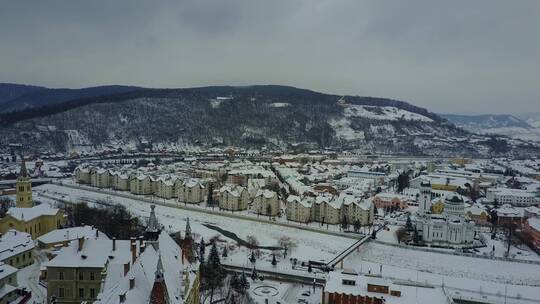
<point>252,116</point>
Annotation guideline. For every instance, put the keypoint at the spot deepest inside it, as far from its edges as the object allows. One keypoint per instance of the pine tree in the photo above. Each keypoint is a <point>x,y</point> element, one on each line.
<point>309,268</point>
<point>202,248</point>
<point>408,225</point>
<point>214,273</point>
<point>243,283</point>
<point>225,252</point>
<point>252,258</point>
<point>254,274</point>
<point>357,225</point>
<point>274,261</point>
<point>209,198</point>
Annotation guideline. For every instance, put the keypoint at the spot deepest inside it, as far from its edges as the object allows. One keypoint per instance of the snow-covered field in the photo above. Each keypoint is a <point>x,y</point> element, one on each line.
<point>309,245</point>
<point>452,271</point>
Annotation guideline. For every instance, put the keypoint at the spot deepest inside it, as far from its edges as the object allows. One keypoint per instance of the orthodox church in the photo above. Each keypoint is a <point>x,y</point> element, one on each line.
<point>35,220</point>
<point>449,228</point>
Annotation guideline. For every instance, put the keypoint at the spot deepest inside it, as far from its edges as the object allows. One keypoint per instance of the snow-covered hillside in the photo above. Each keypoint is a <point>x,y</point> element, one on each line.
<point>383,113</point>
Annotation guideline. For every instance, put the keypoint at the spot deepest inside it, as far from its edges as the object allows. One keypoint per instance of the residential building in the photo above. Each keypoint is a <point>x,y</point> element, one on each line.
<point>140,184</point>
<point>82,175</point>
<point>9,292</point>
<point>100,178</point>
<point>165,187</point>
<point>233,197</point>
<point>120,181</point>
<point>299,208</point>
<point>16,248</point>
<point>192,191</point>
<point>531,227</point>
<point>387,200</point>
<point>514,197</point>
<point>62,237</point>
<point>266,202</point>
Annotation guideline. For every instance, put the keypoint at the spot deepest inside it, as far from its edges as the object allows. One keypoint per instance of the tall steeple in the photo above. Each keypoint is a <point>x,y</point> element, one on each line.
<point>187,233</point>
<point>153,229</point>
<point>158,294</point>
<point>24,187</point>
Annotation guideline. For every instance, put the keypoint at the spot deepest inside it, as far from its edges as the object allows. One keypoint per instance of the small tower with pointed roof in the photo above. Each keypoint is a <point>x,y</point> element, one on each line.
<point>24,188</point>
<point>158,294</point>
<point>187,233</point>
<point>153,229</point>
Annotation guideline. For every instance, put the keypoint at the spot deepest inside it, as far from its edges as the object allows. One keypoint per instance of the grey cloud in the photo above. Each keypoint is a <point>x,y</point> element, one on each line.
<point>449,56</point>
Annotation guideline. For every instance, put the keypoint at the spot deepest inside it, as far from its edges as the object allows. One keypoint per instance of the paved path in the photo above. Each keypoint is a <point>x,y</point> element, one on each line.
<point>209,211</point>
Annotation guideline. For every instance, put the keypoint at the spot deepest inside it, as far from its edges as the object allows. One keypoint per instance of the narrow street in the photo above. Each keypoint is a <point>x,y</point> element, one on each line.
<point>29,277</point>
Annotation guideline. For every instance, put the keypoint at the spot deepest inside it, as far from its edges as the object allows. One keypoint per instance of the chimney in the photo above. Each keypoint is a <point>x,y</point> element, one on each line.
<point>122,297</point>
<point>131,283</point>
<point>133,252</point>
<point>141,240</point>
<point>81,243</point>
<point>113,244</point>
<point>126,268</point>
<point>142,248</point>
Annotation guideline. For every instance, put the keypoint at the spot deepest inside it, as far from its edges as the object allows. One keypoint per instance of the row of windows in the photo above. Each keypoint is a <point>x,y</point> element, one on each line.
<point>91,276</point>
<point>25,256</point>
<point>65,292</point>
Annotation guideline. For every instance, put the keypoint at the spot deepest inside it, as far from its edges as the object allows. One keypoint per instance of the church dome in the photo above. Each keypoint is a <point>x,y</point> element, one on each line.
<point>453,199</point>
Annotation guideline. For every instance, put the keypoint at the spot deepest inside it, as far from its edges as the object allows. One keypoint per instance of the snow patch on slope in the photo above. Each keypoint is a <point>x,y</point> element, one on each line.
<point>383,113</point>
<point>343,129</point>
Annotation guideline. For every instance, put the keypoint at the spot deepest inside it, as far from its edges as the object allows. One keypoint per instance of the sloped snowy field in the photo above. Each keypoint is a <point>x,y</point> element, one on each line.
<point>454,271</point>
<point>310,245</point>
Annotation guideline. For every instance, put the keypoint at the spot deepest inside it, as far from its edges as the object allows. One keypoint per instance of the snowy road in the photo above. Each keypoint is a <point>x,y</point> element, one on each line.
<point>29,277</point>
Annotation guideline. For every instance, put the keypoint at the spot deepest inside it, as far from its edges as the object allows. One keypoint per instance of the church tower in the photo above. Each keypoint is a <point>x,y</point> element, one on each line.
<point>424,201</point>
<point>153,228</point>
<point>24,188</point>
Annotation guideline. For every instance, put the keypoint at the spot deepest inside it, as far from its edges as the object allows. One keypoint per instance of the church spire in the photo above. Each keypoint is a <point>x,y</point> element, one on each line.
<point>158,294</point>
<point>24,187</point>
<point>24,172</point>
<point>152,228</point>
<point>187,233</point>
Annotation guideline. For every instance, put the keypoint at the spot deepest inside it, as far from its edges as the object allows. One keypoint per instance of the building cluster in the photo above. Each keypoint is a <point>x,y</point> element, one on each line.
<point>35,220</point>
<point>330,209</point>
<point>96,269</point>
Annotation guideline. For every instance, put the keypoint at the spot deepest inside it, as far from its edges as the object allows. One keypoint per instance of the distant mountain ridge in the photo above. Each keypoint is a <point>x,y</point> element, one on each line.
<point>259,116</point>
<point>501,124</point>
<point>486,121</point>
<point>19,97</point>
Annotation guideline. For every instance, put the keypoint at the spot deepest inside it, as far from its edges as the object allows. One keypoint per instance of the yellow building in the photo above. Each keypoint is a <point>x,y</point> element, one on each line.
<point>24,188</point>
<point>34,220</point>
<point>437,207</point>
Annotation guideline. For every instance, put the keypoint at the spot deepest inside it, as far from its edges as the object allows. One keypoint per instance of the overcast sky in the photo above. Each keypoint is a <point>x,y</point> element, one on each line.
<point>449,56</point>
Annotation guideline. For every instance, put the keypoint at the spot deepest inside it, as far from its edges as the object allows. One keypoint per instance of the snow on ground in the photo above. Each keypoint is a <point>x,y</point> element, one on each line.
<point>279,104</point>
<point>450,270</point>
<point>343,129</point>
<point>310,245</point>
<point>383,113</point>
<point>521,253</point>
<point>283,292</point>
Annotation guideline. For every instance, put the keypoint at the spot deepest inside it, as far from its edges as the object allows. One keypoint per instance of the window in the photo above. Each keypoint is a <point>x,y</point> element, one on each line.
<point>92,276</point>
<point>92,293</point>
<point>81,293</point>
<point>61,292</point>
<point>60,275</point>
<point>81,276</point>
